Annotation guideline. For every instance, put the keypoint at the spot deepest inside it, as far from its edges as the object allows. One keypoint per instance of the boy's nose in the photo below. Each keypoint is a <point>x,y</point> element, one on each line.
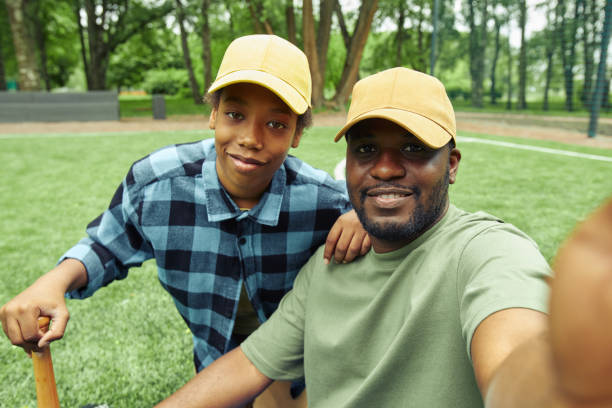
<point>251,137</point>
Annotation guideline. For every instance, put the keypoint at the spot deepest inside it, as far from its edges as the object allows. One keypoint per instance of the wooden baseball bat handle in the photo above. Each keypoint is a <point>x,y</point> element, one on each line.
<point>46,390</point>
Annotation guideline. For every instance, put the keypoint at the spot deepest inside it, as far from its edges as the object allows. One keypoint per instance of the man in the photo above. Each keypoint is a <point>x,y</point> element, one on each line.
<point>448,310</point>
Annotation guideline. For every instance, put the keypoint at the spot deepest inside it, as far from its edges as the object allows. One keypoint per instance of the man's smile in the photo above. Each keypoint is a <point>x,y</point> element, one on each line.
<point>387,196</point>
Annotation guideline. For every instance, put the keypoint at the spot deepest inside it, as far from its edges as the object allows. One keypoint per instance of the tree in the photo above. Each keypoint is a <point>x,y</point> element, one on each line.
<point>568,28</point>
<point>477,16</point>
<point>496,50</point>
<point>355,52</point>
<point>522,101</point>
<point>2,71</point>
<point>290,18</point>
<point>193,83</point>
<point>509,49</point>
<point>110,23</point>
<point>551,33</point>
<point>310,49</point>
<point>601,71</point>
<point>590,21</point>
<point>29,77</point>
<point>206,51</point>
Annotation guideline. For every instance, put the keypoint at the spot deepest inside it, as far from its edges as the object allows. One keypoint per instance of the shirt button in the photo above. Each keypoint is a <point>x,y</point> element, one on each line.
<point>242,241</point>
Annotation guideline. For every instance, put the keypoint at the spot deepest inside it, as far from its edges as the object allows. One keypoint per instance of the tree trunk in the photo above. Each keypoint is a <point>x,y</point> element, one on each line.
<point>355,52</point>
<point>600,90</point>
<point>206,49</point>
<point>509,74</point>
<point>493,91</point>
<point>290,18</point>
<point>553,32</point>
<point>77,14</point>
<point>343,30</point>
<point>568,51</point>
<point>421,63</point>
<point>193,83</point>
<point>2,71</point>
<point>477,50</point>
<point>589,33</point>
<point>326,11</point>
<point>29,78</point>
<point>40,35</point>
<point>522,100</point>
<point>256,10</point>
<point>310,49</point>
<point>399,36</point>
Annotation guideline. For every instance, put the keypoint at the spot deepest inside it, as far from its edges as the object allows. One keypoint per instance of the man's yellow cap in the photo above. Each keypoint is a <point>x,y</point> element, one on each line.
<point>271,62</point>
<point>413,100</point>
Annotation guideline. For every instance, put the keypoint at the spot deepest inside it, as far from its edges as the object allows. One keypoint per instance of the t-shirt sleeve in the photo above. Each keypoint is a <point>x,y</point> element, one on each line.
<point>500,268</point>
<point>276,348</point>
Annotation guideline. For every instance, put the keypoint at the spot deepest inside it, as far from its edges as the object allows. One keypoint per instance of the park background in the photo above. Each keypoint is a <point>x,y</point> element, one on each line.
<point>127,346</point>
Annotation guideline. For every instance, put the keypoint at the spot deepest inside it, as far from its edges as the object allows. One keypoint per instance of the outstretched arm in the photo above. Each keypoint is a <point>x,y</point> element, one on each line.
<point>347,239</point>
<point>231,381</point>
<point>45,297</point>
<point>567,360</point>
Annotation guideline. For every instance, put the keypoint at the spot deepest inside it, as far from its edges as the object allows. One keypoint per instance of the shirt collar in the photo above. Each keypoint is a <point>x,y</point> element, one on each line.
<point>221,207</point>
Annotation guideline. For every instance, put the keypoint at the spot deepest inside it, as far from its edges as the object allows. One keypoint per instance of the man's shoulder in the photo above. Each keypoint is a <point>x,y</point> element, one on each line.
<point>300,173</point>
<point>170,161</point>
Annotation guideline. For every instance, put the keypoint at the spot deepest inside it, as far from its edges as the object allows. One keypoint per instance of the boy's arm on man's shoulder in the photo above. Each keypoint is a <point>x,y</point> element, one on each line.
<point>347,239</point>
<point>230,381</point>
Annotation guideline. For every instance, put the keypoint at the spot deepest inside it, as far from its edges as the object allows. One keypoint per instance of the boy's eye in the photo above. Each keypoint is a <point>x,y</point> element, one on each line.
<point>234,115</point>
<point>274,124</point>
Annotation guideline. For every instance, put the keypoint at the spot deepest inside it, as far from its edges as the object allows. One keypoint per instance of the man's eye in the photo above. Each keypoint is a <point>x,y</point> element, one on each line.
<point>234,115</point>
<point>413,148</point>
<point>274,124</point>
<point>364,149</point>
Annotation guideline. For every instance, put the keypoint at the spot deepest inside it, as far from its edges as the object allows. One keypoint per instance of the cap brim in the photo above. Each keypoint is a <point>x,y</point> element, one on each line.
<point>429,132</point>
<point>282,89</point>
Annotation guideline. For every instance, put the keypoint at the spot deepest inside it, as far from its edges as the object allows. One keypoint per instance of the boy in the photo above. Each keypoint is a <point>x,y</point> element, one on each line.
<point>221,217</point>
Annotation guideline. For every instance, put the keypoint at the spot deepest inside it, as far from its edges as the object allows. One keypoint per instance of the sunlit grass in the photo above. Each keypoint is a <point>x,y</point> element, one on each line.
<point>127,346</point>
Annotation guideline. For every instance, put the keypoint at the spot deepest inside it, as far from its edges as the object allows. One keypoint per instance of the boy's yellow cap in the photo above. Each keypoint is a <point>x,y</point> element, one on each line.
<point>271,62</point>
<point>414,100</point>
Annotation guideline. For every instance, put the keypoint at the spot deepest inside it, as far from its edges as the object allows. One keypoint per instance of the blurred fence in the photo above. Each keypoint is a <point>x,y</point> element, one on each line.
<point>58,107</point>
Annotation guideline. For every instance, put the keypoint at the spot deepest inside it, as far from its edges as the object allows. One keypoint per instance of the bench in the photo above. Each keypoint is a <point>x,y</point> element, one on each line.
<point>58,107</point>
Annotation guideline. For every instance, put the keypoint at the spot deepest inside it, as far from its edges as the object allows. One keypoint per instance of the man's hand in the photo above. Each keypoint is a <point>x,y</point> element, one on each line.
<point>581,310</point>
<point>347,239</point>
<point>45,297</point>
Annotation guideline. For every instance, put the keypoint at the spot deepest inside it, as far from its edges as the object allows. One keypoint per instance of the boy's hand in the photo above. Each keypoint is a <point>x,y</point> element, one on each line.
<point>20,316</point>
<point>45,297</point>
<point>347,239</point>
<point>581,310</point>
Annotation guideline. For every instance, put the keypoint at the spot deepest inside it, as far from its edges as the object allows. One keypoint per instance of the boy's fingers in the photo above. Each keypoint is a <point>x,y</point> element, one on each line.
<point>342,245</point>
<point>366,244</point>
<point>13,331</point>
<point>330,242</point>
<point>56,330</point>
<point>354,248</point>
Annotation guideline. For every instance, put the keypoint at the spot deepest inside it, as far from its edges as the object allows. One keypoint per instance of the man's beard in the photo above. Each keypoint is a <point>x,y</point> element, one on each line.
<point>421,220</point>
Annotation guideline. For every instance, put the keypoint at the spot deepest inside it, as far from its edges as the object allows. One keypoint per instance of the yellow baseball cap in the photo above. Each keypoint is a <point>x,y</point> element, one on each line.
<point>271,62</point>
<point>413,100</point>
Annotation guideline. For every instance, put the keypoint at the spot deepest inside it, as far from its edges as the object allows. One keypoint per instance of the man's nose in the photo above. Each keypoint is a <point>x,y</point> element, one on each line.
<point>388,166</point>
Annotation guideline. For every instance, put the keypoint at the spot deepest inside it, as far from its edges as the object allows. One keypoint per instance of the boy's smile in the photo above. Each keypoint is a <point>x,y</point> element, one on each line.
<point>254,130</point>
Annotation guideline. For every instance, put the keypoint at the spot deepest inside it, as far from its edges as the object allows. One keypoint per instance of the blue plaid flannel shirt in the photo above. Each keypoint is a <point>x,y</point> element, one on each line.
<point>171,207</point>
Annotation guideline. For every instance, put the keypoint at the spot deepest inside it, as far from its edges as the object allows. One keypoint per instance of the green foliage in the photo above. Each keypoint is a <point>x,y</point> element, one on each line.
<point>167,82</point>
<point>6,45</point>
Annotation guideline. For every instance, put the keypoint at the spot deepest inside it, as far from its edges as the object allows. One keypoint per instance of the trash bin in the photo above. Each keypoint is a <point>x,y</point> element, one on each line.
<point>159,107</point>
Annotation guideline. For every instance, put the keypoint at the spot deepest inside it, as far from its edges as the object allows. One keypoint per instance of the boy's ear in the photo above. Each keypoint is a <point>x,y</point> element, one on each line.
<point>212,119</point>
<point>296,138</point>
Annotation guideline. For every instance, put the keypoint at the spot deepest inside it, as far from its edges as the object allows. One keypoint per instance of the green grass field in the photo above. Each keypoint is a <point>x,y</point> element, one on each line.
<point>127,346</point>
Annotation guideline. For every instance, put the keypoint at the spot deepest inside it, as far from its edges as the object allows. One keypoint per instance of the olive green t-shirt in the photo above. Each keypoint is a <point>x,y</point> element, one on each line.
<point>394,329</point>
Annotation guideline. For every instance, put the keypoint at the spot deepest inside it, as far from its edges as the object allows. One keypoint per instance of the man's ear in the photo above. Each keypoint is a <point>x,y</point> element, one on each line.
<point>453,164</point>
<point>212,119</point>
<point>297,137</point>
